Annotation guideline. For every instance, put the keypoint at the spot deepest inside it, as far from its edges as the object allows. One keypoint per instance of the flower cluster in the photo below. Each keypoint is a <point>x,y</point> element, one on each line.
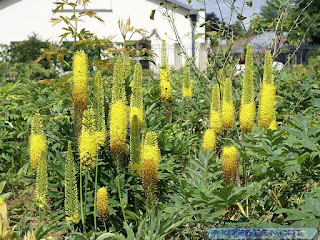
<point>136,103</point>
<point>209,140</point>
<point>98,106</point>
<point>150,157</point>
<point>229,163</point>
<point>247,109</point>
<point>102,202</point>
<point>37,141</point>
<point>88,141</point>
<point>267,95</point>
<point>227,115</point>
<point>118,112</point>
<point>80,86</point>
<point>165,78</point>
<point>215,111</point>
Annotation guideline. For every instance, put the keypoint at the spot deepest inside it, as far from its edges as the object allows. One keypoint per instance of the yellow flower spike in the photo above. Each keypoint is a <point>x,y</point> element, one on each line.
<point>126,64</point>
<point>102,202</point>
<point>215,112</point>
<point>247,109</point>
<point>88,142</point>
<point>118,113</point>
<point>186,87</point>
<point>221,81</point>
<point>273,125</point>
<point>136,103</point>
<point>267,94</point>
<point>150,157</point>
<point>268,70</point>
<point>165,86</point>
<point>118,128</point>
<point>267,103</point>
<point>165,79</point>
<point>37,145</point>
<point>98,107</point>
<point>139,113</point>
<point>227,115</point>
<point>247,115</point>
<point>186,92</point>
<point>134,164</point>
<point>118,83</point>
<point>71,190</point>
<point>209,140</point>
<point>80,86</point>
<point>37,141</point>
<point>229,163</point>
<point>150,147</point>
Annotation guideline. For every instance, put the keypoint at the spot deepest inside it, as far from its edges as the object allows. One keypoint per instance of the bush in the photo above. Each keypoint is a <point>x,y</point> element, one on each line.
<point>28,51</point>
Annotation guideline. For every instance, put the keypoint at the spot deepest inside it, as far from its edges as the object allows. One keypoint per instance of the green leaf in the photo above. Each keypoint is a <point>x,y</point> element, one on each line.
<point>106,236</point>
<point>153,11</point>
<point>240,17</point>
<point>196,36</point>
<point>249,3</point>
<point>2,184</point>
<point>79,235</point>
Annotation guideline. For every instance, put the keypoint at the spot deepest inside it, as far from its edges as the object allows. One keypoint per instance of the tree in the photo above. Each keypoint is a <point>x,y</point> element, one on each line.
<point>29,50</point>
<point>310,20</point>
<point>301,18</point>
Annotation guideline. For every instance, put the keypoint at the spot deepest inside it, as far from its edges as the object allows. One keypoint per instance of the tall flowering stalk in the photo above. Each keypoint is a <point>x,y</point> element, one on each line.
<point>165,79</point>
<point>209,140</point>
<point>42,181</point>
<point>71,191</point>
<point>126,64</point>
<point>98,107</point>
<point>227,105</point>
<point>222,78</point>
<point>88,152</point>
<point>88,143</point>
<point>80,86</point>
<point>215,111</point>
<point>247,109</point>
<point>99,111</point>
<point>229,163</point>
<point>136,103</point>
<point>267,95</point>
<point>186,87</point>
<point>37,141</point>
<point>135,167</point>
<point>118,112</point>
<point>150,157</point>
<point>102,202</point>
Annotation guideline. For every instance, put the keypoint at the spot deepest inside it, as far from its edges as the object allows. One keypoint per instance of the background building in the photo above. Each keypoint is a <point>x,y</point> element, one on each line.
<point>21,18</point>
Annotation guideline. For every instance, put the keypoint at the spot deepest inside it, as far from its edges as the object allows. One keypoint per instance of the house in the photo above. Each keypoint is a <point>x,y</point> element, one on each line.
<point>21,18</point>
<point>261,43</point>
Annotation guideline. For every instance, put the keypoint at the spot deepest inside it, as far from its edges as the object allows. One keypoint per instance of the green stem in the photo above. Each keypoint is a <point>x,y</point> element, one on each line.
<point>85,190</point>
<point>134,194</point>
<point>95,196</point>
<point>105,226</point>
<point>81,201</point>
<point>119,192</point>
<point>40,215</point>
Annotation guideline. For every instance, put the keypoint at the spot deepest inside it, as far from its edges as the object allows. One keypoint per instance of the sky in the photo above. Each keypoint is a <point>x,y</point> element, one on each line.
<point>212,6</point>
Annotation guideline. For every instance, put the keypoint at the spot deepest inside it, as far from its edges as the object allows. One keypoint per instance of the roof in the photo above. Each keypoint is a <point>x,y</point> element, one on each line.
<point>180,4</point>
<point>260,43</point>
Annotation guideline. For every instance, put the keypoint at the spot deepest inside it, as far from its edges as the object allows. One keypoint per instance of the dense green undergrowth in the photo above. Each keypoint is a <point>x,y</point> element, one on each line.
<point>279,187</point>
